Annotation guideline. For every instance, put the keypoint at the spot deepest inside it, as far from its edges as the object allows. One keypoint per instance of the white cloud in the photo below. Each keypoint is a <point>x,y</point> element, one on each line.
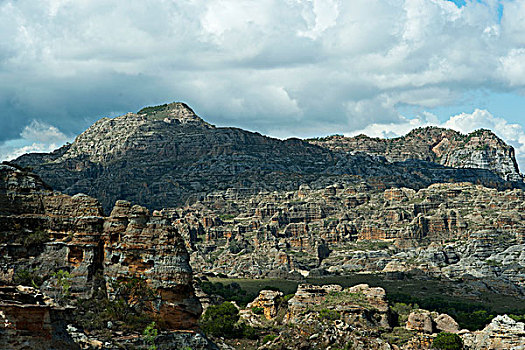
<point>42,132</point>
<point>36,137</point>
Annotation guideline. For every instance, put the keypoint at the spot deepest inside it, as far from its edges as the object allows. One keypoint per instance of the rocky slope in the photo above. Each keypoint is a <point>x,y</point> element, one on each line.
<point>165,156</point>
<point>360,317</point>
<point>66,247</point>
<point>480,149</point>
<point>460,232</point>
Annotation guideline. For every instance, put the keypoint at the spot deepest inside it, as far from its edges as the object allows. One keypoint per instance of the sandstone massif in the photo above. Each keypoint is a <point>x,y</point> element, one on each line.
<point>48,239</point>
<point>456,231</point>
<point>149,199</point>
<point>166,156</point>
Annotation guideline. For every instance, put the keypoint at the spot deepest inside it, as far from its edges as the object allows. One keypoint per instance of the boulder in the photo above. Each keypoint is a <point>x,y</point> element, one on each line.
<point>268,301</point>
<point>420,320</point>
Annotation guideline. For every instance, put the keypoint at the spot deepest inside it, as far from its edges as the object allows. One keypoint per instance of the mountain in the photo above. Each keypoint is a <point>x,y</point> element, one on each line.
<point>165,156</point>
<point>480,149</point>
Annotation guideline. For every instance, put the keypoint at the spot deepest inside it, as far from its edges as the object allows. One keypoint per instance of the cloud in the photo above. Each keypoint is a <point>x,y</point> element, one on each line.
<point>513,134</point>
<point>35,137</point>
<point>285,68</point>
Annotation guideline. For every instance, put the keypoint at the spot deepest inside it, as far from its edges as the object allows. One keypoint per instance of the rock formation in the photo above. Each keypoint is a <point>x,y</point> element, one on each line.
<point>502,333</point>
<point>166,156</point>
<point>47,238</point>
<point>480,149</point>
<point>30,320</point>
<point>460,232</point>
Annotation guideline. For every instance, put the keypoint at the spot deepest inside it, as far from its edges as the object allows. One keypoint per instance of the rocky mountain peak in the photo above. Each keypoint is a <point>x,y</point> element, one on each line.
<point>172,112</point>
<point>111,138</point>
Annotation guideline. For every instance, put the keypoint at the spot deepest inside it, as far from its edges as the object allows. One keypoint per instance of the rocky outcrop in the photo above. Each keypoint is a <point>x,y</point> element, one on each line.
<point>357,305</point>
<point>330,316</point>
<point>165,156</point>
<point>431,322</point>
<point>140,244</point>
<point>268,301</point>
<point>502,333</point>
<point>480,149</point>
<point>65,244</point>
<point>323,317</point>
<point>30,320</point>
<point>460,232</point>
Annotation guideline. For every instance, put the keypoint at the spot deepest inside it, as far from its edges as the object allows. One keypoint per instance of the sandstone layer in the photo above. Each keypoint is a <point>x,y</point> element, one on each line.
<point>64,244</point>
<point>460,232</point>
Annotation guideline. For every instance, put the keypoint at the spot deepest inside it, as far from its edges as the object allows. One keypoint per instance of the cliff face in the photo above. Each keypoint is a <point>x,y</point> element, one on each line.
<point>166,156</point>
<point>459,232</point>
<point>43,232</point>
<point>481,149</point>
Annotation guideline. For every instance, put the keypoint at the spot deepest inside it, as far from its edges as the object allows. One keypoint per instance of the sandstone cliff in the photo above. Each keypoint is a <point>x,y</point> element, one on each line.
<point>480,149</point>
<point>460,232</point>
<point>47,238</point>
<point>165,156</point>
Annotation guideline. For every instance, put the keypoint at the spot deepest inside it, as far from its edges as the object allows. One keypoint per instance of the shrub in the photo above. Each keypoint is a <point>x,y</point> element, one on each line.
<point>230,292</point>
<point>220,320</point>
<point>63,282</point>
<point>257,310</point>
<point>447,341</point>
<point>28,278</point>
<point>35,238</point>
<point>248,332</point>
<point>150,334</point>
<point>327,314</point>
<point>268,338</point>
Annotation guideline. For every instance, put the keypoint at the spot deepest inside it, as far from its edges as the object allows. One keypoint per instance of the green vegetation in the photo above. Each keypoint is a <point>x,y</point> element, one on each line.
<point>518,318</point>
<point>373,245</point>
<point>130,310</point>
<point>153,109</point>
<point>335,298</point>
<point>150,334</point>
<point>429,294</point>
<point>257,310</point>
<point>29,277</point>
<point>469,315</point>
<point>34,238</point>
<point>230,292</point>
<point>268,338</point>
<point>63,282</point>
<point>226,217</point>
<point>447,341</point>
<point>482,147</point>
<point>398,336</point>
<point>223,321</point>
<point>327,314</point>
<point>324,138</point>
<point>403,310</point>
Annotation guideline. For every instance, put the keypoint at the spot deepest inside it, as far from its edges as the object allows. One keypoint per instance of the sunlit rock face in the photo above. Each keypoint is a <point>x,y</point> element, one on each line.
<point>481,149</point>
<point>43,232</point>
<point>30,320</point>
<point>140,244</point>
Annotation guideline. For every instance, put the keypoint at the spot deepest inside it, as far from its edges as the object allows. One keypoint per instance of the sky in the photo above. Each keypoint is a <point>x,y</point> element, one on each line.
<point>284,68</point>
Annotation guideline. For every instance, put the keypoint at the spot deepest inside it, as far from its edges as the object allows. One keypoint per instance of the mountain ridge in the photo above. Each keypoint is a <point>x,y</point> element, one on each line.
<point>164,156</point>
<point>481,148</point>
